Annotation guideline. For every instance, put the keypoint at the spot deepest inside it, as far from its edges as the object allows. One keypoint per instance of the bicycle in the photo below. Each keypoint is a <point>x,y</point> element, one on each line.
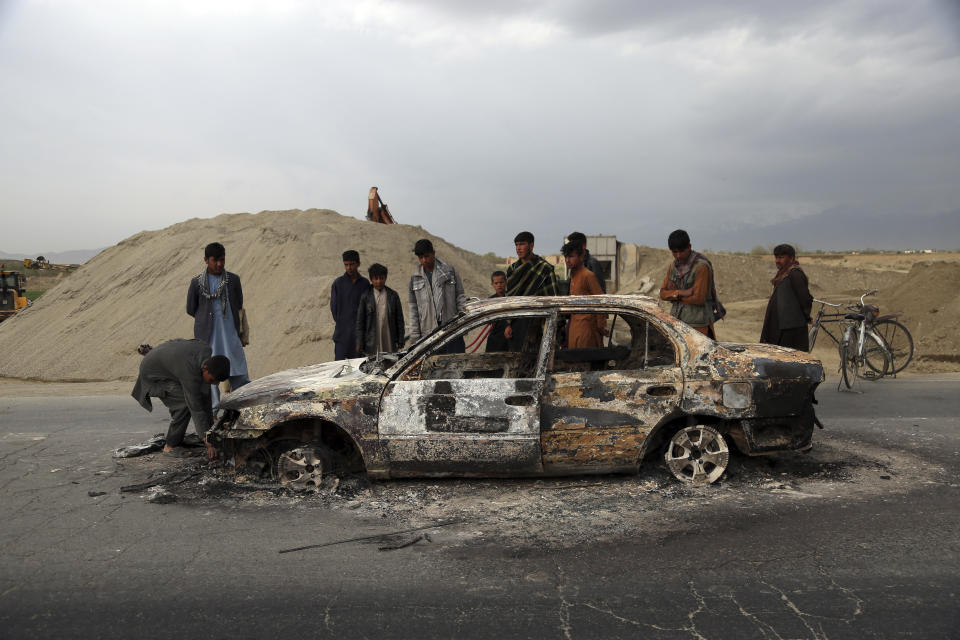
<point>863,352</point>
<point>898,340</point>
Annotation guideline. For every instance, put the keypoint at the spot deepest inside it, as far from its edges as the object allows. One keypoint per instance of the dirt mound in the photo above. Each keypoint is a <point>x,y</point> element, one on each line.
<point>742,277</point>
<point>88,326</point>
<point>930,304</point>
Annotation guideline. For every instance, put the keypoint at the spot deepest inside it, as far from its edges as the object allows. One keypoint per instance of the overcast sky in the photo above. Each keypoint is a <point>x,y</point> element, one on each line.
<point>475,119</point>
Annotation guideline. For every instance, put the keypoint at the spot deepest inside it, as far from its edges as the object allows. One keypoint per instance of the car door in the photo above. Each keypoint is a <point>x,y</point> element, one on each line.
<point>600,404</point>
<point>470,413</point>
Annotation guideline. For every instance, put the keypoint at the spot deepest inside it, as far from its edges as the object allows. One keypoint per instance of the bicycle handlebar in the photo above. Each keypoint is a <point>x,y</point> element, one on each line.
<point>868,293</point>
<point>829,304</point>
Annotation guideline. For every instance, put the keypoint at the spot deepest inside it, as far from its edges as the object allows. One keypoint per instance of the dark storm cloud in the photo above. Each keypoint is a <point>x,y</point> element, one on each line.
<point>475,118</point>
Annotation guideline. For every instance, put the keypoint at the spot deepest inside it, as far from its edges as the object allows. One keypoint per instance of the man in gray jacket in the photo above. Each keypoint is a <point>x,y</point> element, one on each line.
<point>179,373</point>
<point>436,296</point>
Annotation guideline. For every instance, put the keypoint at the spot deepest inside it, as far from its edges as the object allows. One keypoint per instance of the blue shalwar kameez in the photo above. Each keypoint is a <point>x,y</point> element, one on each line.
<point>225,342</point>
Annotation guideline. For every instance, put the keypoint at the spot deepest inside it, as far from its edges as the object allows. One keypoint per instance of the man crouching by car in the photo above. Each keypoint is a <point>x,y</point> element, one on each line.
<point>179,373</point>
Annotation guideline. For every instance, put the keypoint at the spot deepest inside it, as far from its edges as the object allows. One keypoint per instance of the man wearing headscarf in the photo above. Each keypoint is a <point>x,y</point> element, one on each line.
<point>788,311</point>
<point>689,285</point>
<point>214,300</point>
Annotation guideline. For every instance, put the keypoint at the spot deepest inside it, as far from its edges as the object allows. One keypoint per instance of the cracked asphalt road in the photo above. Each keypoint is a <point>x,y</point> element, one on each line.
<point>868,562</point>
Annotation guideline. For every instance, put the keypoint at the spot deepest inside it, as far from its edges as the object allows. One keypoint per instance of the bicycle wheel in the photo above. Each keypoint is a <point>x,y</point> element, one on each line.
<point>812,335</point>
<point>876,355</point>
<point>847,364</point>
<point>899,342</point>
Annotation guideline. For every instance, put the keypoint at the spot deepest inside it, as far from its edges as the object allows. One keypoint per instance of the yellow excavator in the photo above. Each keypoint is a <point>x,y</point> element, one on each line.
<point>13,290</point>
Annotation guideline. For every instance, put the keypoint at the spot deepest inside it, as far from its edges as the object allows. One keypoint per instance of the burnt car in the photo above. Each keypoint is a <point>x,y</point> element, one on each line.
<point>655,387</point>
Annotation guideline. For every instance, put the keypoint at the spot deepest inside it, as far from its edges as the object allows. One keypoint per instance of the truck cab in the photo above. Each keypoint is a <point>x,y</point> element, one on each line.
<point>13,286</point>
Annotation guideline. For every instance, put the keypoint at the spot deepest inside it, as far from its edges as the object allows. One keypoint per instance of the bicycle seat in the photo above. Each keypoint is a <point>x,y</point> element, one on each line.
<point>854,316</point>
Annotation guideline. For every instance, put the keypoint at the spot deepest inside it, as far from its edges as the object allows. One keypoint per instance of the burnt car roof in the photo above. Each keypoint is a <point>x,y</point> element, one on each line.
<point>612,302</point>
<point>541,302</point>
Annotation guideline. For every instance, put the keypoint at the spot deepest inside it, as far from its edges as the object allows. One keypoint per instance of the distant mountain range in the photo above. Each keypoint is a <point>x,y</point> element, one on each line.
<point>845,228</point>
<point>77,256</point>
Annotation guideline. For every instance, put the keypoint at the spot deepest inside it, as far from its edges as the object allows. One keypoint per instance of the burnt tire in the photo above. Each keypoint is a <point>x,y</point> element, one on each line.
<point>697,455</point>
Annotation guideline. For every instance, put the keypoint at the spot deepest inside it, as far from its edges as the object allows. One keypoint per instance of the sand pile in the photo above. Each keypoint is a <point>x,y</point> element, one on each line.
<point>930,305</point>
<point>88,326</point>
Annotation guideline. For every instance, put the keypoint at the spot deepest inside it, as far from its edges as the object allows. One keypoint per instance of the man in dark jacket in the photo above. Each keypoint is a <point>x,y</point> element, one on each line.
<point>497,340</point>
<point>180,373</point>
<point>214,299</point>
<point>379,316</point>
<point>788,311</point>
<point>344,299</point>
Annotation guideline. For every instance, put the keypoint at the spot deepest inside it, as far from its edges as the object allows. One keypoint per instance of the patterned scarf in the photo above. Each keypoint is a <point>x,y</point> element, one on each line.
<point>683,268</point>
<point>534,278</point>
<point>783,273</point>
<point>221,292</point>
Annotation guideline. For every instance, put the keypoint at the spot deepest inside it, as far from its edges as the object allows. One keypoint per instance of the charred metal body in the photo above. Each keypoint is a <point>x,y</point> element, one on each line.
<point>544,409</point>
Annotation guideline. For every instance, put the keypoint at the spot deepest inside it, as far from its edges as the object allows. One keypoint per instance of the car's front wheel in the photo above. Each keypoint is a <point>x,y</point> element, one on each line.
<point>300,466</point>
<point>697,454</point>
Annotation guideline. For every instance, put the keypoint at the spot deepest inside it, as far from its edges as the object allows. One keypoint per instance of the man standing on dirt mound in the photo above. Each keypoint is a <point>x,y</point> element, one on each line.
<point>215,301</point>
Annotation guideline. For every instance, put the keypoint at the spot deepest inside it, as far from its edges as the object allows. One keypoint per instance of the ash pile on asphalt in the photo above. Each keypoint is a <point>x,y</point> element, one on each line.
<point>565,512</point>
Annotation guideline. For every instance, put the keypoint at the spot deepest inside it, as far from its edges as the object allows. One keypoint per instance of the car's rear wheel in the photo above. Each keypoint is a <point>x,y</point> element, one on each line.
<point>697,454</point>
<point>300,466</point>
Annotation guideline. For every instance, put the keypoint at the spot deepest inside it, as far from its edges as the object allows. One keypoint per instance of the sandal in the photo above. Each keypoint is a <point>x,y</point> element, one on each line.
<point>178,453</point>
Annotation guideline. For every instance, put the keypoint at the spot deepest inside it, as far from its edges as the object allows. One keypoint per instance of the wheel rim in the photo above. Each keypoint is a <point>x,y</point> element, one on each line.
<point>698,455</point>
<point>300,469</point>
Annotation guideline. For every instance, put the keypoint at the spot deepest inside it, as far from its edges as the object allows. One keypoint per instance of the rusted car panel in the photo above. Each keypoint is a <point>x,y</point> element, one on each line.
<point>600,419</point>
<point>544,409</point>
<point>432,427</point>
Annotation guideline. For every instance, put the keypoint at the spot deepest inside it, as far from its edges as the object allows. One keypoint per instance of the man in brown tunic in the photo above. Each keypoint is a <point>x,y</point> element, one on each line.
<point>788,311</point>
<point>586,330</point>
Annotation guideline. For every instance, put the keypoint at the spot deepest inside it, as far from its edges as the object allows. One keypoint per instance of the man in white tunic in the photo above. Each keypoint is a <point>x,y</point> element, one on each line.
<point>214,299</point>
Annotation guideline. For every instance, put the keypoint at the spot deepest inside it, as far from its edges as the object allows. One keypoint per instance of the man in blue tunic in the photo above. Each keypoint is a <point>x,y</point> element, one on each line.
<point>214,299</point>
<point>345,297</point>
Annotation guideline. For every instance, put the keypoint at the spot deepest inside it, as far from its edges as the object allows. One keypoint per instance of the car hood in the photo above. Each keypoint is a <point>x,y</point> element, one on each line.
<point>330,380</point>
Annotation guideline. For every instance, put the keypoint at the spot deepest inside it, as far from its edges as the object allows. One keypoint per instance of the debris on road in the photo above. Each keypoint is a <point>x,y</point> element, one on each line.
<point>408,543</point>
<point>153,444</point>
<point>170,478</point>
<point>160,495</point>
<point>373,537</point>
